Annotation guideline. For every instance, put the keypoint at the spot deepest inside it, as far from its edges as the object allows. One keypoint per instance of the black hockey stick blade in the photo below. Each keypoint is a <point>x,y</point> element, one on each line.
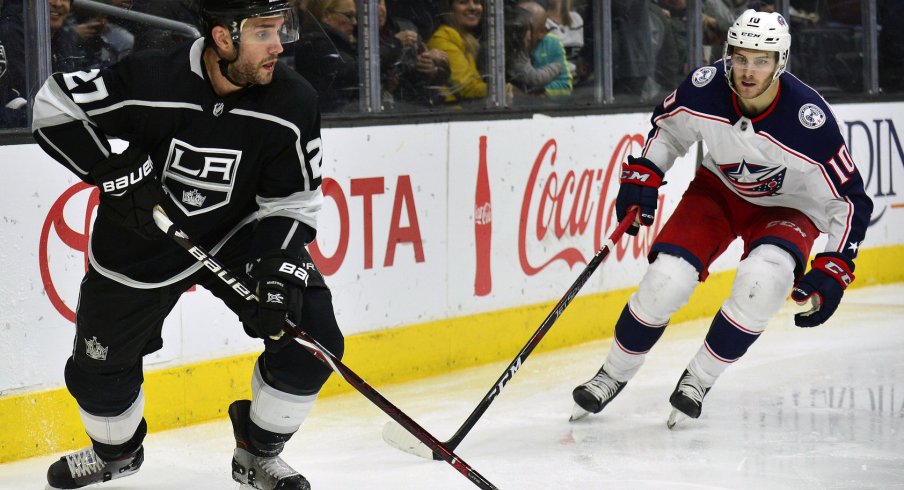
<point>399,438</point>
<point>324,356</point>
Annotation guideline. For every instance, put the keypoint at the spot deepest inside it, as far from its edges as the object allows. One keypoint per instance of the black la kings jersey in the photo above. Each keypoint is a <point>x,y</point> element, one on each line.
<point>251,158</point>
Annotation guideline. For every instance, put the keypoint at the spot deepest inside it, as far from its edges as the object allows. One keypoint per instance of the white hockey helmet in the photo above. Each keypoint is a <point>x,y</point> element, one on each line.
<point>764,31</point>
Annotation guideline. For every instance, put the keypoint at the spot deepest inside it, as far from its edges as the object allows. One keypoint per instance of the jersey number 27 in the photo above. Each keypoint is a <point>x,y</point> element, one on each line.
<point>86,86</point>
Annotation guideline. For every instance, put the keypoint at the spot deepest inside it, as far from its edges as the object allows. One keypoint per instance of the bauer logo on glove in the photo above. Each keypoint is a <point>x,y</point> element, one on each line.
<point>123,183</point>
<point>295,270</point>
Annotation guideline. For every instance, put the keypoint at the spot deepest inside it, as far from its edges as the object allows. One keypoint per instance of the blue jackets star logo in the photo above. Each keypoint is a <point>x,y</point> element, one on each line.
<point>754,180</point>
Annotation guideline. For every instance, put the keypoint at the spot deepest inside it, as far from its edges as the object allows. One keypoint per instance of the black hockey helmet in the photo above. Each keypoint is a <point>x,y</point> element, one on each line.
<point>233,13</point>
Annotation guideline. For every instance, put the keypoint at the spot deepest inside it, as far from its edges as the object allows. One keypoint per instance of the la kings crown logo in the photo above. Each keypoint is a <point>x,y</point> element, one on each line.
<point>95,350</point>
<point>202,178</point>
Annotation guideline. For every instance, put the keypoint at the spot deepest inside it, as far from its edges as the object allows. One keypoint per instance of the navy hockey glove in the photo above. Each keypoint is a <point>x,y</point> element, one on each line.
<point>129,190</point>
<point>830,274</point>
<point>640,181</point>
<point>281,281</point>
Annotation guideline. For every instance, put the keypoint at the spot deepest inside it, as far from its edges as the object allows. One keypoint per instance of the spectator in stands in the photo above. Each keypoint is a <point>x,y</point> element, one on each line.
<point>12,104</point>
<point>67,53</point>
<point>519,70</point>
<point>718,16</point>
<point>410,72</point>
<point>103,41</point>
<point>12,37</point>
<point>568,25</point>
<point>457,35</point>
<point>421,13</point>
<point>670,48</point>
<point>634,53</point>
<point>327,56</point>
<point>547,50</point>
<point>148,37</point>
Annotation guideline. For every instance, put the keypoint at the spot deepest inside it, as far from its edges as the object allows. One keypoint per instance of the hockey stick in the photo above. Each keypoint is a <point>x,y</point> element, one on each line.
<point>396,436</point>
<point>323,355</point>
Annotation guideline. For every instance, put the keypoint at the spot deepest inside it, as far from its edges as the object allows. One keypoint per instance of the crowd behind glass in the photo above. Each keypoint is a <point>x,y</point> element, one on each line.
<point>477,55</point>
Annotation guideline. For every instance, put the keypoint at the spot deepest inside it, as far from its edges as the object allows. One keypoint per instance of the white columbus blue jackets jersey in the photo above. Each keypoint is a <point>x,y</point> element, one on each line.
<point>250,158</point>
<point>792,155</point>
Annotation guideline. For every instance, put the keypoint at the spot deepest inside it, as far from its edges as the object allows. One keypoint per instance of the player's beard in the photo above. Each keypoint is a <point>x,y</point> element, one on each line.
<point>752,92</point>
<point>248,73</point>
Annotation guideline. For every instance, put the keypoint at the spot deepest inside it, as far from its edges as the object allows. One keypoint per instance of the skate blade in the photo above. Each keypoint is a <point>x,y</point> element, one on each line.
<point>675,418</point>
<point>577,413</point>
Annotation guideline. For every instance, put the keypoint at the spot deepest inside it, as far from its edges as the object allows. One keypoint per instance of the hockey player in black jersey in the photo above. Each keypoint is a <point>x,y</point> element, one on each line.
<point>777,174</point>
<point>227,140</point>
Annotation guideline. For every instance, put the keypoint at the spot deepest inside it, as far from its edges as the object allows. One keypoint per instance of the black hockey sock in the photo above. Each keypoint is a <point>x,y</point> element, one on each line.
<point>264,442</point>
<point>111,452</point>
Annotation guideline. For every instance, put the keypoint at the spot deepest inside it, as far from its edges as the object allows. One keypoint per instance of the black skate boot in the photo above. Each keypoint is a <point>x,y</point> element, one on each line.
<point>85,467</point>
<point>255,467</point>
<point>594,395</point>
<point>687,399</point>
<point>98,462</point>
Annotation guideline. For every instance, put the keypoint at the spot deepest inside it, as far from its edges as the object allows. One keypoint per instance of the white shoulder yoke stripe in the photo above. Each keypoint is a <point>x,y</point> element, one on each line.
<point>194,57</point>
<point>146,103</point>
<point>288,124</point>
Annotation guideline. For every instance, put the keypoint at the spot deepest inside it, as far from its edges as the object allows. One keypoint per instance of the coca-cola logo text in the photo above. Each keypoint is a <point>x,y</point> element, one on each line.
<point>567,205</point>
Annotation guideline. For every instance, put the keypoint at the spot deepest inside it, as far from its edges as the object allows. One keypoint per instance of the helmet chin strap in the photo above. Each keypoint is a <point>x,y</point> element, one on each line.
<point>223,63</point>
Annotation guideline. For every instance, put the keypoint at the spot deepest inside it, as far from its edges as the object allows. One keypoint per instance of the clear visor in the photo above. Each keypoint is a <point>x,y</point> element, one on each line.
<point>279,27</point>
<point>754,63</point>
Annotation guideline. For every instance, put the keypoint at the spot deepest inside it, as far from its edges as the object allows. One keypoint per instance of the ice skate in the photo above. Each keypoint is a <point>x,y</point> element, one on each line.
<point>253,470</point>
<point>594,395</point>
<point>687,399</point>
<point>85,467</point>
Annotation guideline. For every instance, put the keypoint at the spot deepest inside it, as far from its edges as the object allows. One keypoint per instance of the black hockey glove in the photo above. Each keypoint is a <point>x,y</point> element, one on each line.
<point>640,181</point>
<point>281,281</point>
<point>129,190</point>
<point>830,274</point>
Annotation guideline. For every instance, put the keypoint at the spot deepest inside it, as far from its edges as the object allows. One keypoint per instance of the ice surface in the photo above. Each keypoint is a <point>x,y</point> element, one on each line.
<point>804,409</point>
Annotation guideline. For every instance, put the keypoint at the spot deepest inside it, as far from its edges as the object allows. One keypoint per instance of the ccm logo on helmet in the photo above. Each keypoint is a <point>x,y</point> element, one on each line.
<point>125,181</point>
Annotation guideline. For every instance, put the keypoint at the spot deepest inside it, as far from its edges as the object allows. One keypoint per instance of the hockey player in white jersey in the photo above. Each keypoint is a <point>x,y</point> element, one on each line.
<point>227,140</point>
<point>777,174</point>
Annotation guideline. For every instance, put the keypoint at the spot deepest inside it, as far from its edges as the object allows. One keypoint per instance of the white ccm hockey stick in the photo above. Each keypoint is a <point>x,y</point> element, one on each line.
<point>397,436</point>
<point>323,355</point>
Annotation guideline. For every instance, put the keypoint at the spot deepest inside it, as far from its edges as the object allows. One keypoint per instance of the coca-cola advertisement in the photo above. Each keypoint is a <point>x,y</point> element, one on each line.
<point>421,224</point>
<point>483,226</point>
<point>544,204</point>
